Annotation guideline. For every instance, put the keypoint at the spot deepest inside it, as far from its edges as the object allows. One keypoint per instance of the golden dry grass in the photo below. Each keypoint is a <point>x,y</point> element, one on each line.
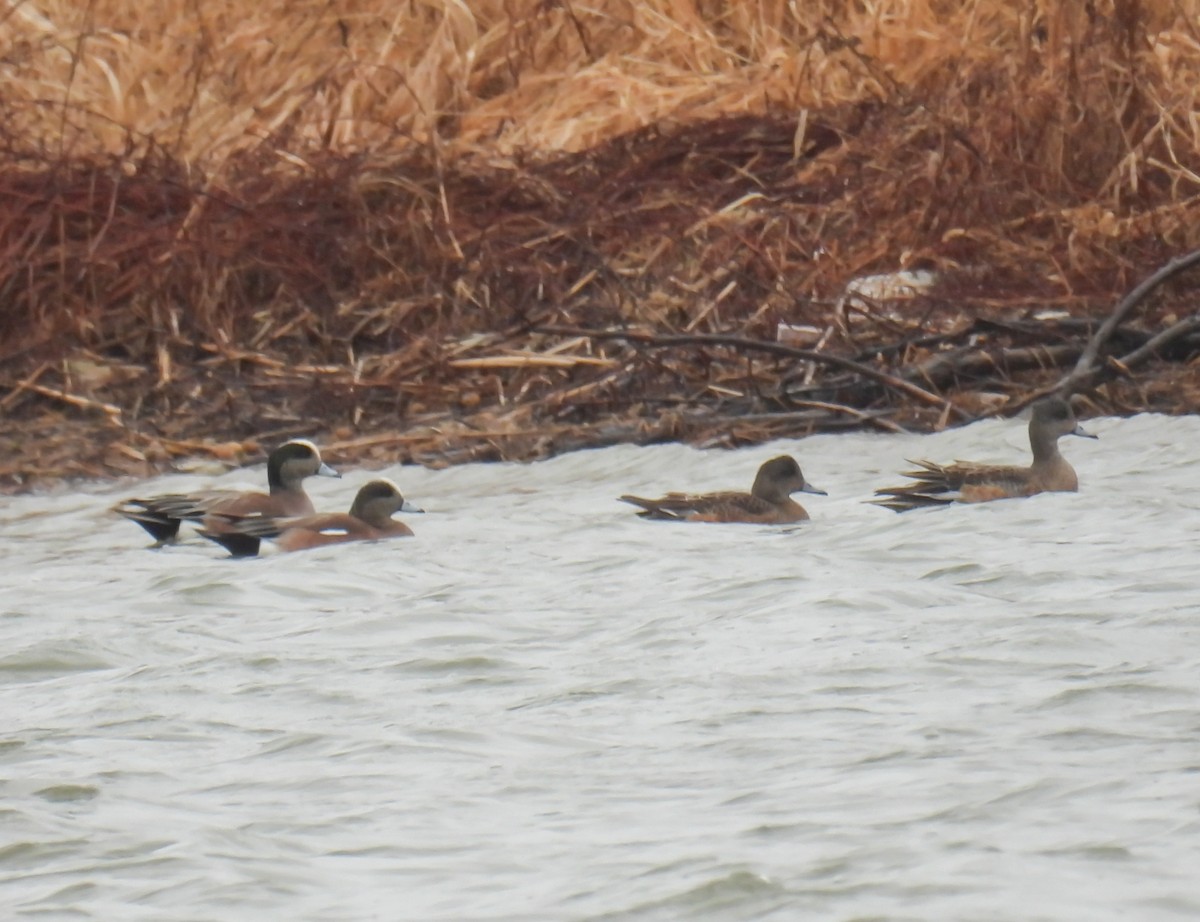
<point>203,80</point>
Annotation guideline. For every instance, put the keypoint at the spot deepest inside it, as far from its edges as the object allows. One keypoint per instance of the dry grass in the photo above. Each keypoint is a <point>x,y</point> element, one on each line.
<point>203,81</point>
<point>206,207</point>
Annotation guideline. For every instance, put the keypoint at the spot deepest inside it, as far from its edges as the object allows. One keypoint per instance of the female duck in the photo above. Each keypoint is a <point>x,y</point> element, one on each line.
<point>369,519</point>
<point>769,501</point>
<point>968,482</point>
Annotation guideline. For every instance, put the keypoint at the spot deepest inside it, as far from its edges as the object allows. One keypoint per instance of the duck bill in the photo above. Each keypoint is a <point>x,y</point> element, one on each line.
<point>809,488</point>
<point>1083,433</point>
<point>406,506</point>
<point>326,471</point>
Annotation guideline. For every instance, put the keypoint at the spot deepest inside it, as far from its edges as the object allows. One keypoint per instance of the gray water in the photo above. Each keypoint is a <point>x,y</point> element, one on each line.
<point>542,707</point>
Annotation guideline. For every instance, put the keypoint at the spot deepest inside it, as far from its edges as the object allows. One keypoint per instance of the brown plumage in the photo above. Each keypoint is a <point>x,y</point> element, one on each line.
<point>969,482</point>
<point>369,519</point>
<point>769,501</point>
<point>287,467</point>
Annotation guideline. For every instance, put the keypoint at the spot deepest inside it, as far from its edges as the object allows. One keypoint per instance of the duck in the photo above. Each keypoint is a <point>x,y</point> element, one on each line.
<point>287,467</point>
<point>769,501</point>
<point>971,482</point>
<point>369,519</point>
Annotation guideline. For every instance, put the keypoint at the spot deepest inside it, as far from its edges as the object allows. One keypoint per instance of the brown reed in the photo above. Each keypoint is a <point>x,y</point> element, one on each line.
<point>221,225</point>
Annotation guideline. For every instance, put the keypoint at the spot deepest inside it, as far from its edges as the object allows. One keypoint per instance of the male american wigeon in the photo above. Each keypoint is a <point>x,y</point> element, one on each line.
<point>969,482</point>
<point>769,501</point>
<point>369,519</point>
<point>287,467</point>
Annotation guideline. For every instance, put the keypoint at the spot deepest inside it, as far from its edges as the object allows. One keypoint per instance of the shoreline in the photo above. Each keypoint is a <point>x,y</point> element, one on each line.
<point>63,436</point>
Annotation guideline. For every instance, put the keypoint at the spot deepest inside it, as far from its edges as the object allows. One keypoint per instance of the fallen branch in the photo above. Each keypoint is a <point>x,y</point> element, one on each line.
<point>1085,373</point>
<point>1114,367</point>
<point>667,341</point>
<point>945,369</point>
<point>1172,333</point>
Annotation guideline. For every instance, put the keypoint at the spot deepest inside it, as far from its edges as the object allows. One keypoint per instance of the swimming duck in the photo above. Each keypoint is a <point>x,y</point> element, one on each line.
<point>969,482</point>
<point>769,501</point>
<point>369,519</point>
<point>287,467</point>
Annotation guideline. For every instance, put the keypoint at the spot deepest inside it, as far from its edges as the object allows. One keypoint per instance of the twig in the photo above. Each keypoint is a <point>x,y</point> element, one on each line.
<point>862,416</point>
<point>23,385</point>
<point>83,403</point>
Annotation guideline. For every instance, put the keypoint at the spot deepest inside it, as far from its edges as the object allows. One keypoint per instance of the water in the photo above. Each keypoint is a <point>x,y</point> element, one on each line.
<point>542,707</point>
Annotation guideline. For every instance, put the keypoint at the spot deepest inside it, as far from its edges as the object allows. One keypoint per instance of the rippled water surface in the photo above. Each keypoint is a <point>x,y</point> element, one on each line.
<point>541,707</point>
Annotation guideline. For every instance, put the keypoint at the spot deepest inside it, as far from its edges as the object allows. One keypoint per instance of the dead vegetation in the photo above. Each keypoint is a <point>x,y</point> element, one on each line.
<point>443,232</point>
